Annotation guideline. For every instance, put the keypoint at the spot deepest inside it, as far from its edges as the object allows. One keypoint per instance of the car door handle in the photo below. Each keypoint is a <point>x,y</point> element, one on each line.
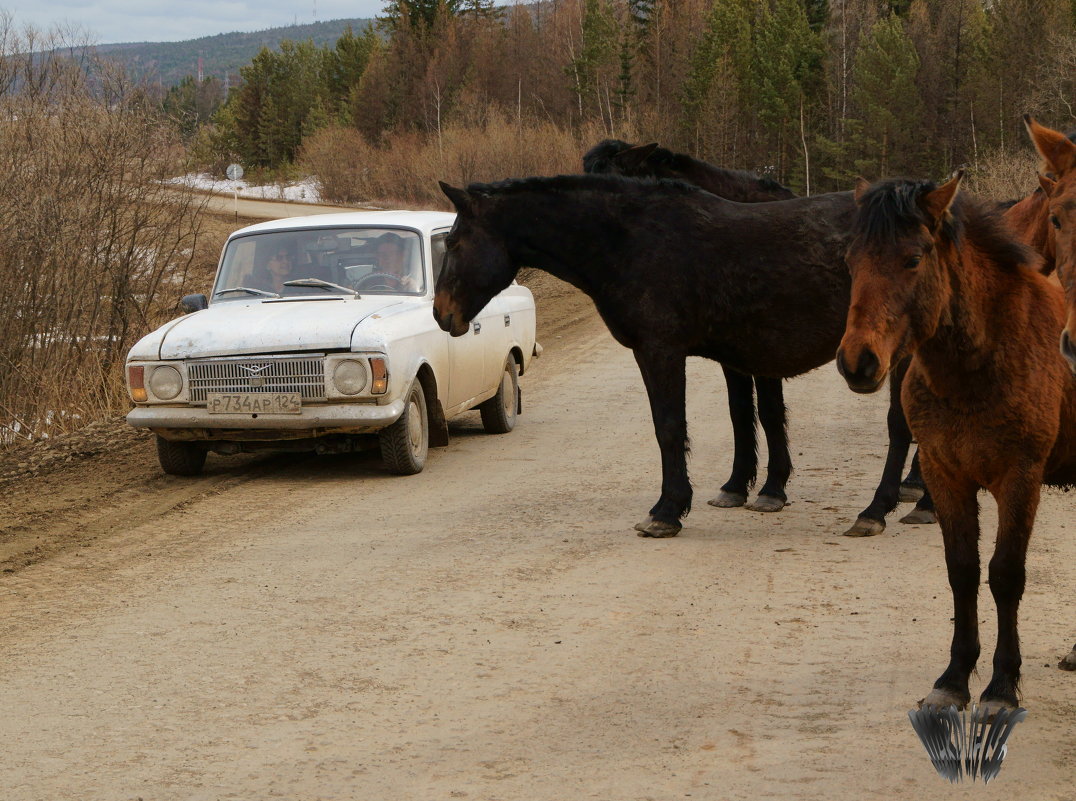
<point>477,327</point>
<point>507,320</point>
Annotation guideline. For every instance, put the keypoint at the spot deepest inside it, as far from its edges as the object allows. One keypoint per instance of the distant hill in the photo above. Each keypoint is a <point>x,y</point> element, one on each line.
<point>222,55</point>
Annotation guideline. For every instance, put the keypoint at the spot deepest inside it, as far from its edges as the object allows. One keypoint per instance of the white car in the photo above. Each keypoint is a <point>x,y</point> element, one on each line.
<point>318,334</point>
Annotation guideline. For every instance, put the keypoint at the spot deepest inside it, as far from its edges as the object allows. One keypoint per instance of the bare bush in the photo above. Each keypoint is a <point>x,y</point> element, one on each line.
<point>1004,174</point>
<point>94,249</point>
<point>487,146</point>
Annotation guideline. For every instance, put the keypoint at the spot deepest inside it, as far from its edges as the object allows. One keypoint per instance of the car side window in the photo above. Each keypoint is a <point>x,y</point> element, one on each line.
<point>437,253</point>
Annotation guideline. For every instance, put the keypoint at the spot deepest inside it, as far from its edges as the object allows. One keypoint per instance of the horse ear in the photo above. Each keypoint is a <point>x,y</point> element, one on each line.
<point>460,199</point>
<point>1056,149</point>
<point>633,157</point>
<point>862,185</point>
<point>937,203</point>
<point>1047,184</point>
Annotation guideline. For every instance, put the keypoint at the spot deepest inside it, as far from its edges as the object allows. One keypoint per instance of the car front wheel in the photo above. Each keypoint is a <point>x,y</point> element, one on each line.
<point>405,443</point>
<point>180,458</point>
<point>499,412</point>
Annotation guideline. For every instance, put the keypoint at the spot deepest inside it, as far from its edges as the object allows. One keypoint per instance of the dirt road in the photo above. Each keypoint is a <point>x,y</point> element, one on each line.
<point>313,628</point>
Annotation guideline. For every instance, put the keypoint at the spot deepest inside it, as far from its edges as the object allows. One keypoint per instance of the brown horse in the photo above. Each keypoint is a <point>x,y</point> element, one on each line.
<point>987,395</point>
<point>1049,221</point>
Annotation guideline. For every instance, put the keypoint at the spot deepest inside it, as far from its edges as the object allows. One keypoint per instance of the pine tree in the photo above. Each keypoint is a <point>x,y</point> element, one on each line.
<point>711,93</point>
<point>887,101</point>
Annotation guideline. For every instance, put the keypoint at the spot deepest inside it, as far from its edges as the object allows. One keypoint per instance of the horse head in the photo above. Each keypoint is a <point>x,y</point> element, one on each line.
<point>477,265</point>
<point>1058,153</point>
<point>614,157</point>
<point>901,237</point>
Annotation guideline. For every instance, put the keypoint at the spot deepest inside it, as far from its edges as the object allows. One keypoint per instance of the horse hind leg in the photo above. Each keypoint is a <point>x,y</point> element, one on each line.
<point>871,520</point>
<point>1068,662</point>
<point>666,387</point>
<point>745,455</point>
<point>914,488</point>
<point>773,415</point>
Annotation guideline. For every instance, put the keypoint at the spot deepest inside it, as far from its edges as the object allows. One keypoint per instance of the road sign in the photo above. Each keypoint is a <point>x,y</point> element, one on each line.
<point>234,172</point>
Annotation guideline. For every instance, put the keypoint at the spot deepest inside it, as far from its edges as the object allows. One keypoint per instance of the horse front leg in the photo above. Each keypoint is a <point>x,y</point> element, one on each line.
<point>772,413</point>
<point>666,387</point>
<point>871,520</point>
<point>741,394</point>
<point>1068,662</point>
<point>958,513</point>
<point>1018,500</point>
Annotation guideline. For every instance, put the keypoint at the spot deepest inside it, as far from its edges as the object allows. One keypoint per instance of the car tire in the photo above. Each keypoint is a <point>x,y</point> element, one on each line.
<point>180,458</point>
<point>499,412</point>
<point>405,443</point>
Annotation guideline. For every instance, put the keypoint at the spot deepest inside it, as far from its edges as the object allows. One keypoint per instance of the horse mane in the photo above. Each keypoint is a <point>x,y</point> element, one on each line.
<point>891,209</point>
<point>602,182</point>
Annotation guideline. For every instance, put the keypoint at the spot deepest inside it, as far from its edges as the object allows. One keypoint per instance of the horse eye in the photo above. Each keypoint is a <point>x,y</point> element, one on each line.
<point>1055,222</point>
<point>912,262</point>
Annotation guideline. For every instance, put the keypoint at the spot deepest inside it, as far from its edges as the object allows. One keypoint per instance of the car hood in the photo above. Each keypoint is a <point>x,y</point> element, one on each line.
<point>234,327</point>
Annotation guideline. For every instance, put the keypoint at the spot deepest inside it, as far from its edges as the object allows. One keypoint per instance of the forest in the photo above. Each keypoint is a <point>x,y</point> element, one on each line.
<point>811,92</point>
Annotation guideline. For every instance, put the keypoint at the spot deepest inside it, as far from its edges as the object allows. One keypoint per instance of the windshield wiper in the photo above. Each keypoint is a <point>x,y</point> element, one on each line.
<point>248,290</point>
<point>318,283</point>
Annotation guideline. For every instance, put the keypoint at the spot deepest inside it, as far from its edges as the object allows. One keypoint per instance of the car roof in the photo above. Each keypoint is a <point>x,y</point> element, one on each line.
<point>425,221</point>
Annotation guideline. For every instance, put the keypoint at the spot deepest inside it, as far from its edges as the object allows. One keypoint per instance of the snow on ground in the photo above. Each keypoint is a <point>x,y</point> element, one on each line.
<point>305,191</point>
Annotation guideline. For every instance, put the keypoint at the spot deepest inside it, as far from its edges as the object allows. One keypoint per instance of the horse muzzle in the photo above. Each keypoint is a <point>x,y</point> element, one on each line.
<point>866,375</point>
<point>449,318</point>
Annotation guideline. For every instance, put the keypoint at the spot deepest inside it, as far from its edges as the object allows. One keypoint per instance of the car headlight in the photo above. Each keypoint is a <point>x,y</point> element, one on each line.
<point>166,382</point>
<point>349,377</point>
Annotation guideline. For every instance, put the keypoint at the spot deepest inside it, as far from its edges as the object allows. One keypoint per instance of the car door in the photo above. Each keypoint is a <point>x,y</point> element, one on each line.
<point>466,353</point>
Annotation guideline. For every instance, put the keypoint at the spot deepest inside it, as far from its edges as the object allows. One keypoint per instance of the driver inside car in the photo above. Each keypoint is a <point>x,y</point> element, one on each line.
<point>392,260</point>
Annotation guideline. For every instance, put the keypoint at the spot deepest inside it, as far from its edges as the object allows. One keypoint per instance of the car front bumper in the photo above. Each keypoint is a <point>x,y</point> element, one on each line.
<point>195,423</point>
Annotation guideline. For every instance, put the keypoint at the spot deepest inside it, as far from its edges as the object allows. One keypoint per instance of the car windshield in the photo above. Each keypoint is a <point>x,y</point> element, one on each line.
<point>323,261</point>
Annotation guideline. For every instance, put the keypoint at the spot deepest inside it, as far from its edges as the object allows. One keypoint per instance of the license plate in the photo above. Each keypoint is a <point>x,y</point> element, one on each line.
<point>254,403</point>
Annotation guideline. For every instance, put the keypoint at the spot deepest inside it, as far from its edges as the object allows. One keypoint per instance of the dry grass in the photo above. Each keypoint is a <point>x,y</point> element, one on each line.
<point>488,147</point>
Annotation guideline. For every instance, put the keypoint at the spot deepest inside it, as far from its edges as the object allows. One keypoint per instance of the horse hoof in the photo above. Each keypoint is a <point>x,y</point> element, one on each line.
<point>919,516</point>
<point>728,500</point>
<point>989,708</point>
<point>658,529</point>
<point>865,527</point>
<point>766,503</point>
<point>1069,662</point>
<point>910,493</point>
<point>943,699</point>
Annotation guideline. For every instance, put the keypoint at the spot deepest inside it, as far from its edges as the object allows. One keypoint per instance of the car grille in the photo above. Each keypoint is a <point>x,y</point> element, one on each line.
<point>267,374</point>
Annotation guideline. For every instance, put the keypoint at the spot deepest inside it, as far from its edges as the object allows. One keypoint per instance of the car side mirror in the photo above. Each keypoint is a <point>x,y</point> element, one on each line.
<point>193,303</point>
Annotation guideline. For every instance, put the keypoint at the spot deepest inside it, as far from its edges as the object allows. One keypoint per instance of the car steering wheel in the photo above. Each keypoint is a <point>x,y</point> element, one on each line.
<point>380,281</point>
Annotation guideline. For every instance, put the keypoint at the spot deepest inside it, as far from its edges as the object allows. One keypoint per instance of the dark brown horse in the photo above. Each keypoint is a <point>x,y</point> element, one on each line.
<point>674,272</point>
<point>1049,219</point>
<point>616,157</point>
<point>987,395</point>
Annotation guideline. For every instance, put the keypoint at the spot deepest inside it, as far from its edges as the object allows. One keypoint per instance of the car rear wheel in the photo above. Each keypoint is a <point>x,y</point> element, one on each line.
<point>499,412</point>
<point>405,443</point>
<point>180,458</point>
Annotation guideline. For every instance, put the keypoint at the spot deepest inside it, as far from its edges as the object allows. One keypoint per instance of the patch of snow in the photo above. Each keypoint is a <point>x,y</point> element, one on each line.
<point>306,191</point>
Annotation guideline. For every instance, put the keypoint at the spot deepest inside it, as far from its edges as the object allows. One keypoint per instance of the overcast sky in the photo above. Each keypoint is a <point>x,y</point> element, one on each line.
<point>109,21</point>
